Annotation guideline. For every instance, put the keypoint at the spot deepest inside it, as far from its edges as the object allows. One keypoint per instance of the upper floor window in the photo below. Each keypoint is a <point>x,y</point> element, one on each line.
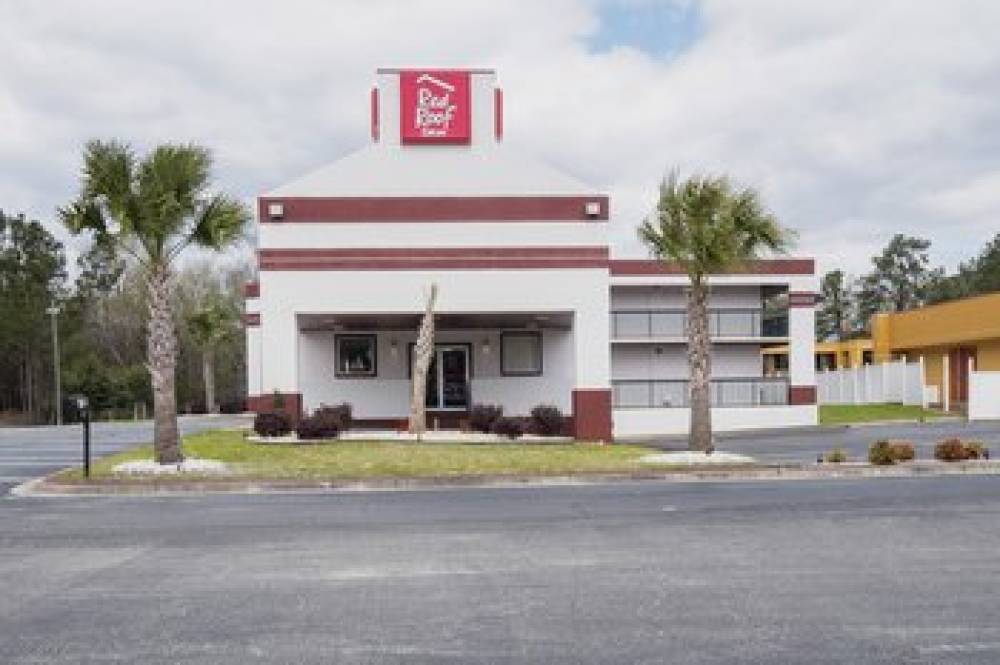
<point>357,355</point>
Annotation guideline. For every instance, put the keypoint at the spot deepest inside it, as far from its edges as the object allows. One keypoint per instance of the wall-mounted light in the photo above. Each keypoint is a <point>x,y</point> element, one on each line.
<point>486,346</point>
<point>275,210</point>
<point>592,208</point>
<point>394,347</point>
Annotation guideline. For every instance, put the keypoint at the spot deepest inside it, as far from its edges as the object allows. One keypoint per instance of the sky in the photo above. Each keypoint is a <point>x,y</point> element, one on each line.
<point>855,119</point>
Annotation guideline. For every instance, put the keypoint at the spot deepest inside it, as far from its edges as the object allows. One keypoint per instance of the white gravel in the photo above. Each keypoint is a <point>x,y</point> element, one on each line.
<point>151,468</point>
<point>431,436</point>
<point>688,458</point>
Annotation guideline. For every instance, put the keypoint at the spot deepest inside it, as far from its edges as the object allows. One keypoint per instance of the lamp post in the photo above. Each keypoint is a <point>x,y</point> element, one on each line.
<point>53,311</point>
<point>83,406</point>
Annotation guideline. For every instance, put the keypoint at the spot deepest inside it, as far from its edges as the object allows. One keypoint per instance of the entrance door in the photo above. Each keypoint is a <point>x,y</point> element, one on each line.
<point>958,362</point>
<point>448,378</point>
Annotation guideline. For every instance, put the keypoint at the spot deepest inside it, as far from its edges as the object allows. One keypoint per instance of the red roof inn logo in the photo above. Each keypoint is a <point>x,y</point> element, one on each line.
<point>434,106</point>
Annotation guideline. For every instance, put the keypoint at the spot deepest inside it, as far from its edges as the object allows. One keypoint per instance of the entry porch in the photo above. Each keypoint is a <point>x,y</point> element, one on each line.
<point>515,360</point>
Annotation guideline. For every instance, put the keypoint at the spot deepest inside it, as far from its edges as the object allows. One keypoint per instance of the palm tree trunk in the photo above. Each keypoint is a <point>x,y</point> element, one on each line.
<point>700,364</point>
<point>162,359</point>
<point>208,375</point>
<point>422,353</point>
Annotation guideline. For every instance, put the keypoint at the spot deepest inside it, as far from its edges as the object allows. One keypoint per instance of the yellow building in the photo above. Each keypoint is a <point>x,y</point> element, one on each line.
<point>829,355</point>
<point>950,337</point>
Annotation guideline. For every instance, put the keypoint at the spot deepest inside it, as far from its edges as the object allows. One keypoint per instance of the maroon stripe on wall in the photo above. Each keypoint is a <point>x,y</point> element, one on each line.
<point>434,209</point>
<point>375,128</point>
<point>251,319</point>
<point>449,258</point>
<point>762,267</point>
<point>801,299</point>
<point>251,290</point>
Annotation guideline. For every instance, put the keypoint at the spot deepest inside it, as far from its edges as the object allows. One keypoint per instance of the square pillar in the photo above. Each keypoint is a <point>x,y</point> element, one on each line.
<point>801,347</point>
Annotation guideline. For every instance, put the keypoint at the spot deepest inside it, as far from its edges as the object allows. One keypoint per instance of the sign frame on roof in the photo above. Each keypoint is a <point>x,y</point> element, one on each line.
<point>435,107</point>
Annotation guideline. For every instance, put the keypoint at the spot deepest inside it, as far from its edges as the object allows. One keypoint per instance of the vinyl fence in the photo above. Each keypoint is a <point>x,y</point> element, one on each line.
<point>984,395</point>
<point>896,382</point>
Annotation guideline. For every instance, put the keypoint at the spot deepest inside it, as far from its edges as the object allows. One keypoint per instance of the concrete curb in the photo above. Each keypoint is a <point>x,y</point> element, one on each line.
<point>43,487</point>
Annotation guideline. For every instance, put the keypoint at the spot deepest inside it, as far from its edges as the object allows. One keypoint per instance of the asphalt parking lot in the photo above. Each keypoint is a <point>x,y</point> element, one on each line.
<point>886,571</point>
<point>30,452</point>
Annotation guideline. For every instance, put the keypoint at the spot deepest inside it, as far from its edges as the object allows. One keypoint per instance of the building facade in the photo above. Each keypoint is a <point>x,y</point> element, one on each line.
<point>953,338</point>
<point>532,308</point>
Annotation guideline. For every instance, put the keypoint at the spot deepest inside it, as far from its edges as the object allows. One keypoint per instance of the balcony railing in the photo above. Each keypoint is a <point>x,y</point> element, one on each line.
<point>676,393</point>
<point>667,323</point>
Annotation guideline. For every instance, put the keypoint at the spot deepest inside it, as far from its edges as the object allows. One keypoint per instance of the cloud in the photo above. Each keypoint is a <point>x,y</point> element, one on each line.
<point>856,119</point>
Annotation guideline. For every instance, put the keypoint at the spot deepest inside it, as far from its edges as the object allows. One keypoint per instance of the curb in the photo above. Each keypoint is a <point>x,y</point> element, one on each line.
<point>42,487</point>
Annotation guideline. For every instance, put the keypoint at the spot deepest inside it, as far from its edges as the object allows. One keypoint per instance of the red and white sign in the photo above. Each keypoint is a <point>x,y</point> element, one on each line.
<point>434,107</point>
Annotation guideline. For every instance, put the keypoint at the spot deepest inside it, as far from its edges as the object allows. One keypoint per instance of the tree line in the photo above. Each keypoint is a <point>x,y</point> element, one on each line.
<point>101,311</point>
<point>901,278</point>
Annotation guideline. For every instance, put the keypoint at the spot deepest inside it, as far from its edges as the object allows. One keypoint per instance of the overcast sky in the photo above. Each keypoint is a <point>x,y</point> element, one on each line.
<point>856,119</point>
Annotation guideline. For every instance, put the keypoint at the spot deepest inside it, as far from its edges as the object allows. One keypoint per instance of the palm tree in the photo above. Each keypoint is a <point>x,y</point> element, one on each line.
<point>707,227</point>
<point>151,210</point>
<point>210,326</point>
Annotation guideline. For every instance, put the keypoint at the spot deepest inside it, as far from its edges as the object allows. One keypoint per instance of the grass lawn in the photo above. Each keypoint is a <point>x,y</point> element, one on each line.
<point>839,414</point>
<point>381,459</point>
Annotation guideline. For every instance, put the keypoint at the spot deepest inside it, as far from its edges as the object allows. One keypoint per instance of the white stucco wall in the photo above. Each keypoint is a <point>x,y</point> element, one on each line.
<point>253,341</point>
<point>652,422</point>
<point>387,395</point>
<point>674,297</point>
<point>287,293</point>
<point>365,235</point>
<point>801,355</point>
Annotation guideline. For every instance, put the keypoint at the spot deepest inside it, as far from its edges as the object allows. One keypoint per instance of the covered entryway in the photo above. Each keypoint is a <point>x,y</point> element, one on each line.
<point>517,360</point>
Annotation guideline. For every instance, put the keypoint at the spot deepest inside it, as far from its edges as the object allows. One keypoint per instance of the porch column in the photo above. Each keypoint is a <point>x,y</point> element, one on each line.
<point>279,362</point>
<point>801,348</point>
<point>592,389</point>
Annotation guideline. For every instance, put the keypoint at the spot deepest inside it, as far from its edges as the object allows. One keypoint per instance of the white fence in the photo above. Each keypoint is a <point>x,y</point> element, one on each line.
<point>900,382</point>
<point>984,395</point>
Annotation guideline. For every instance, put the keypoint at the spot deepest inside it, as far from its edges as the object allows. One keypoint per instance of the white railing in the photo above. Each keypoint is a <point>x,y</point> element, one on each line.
<point>676,393</point>
<point>899,382</point>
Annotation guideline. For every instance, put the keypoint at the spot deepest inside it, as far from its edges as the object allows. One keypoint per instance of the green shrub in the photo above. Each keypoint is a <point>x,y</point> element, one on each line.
<point>885,452</point>
<point>901,451</point>
<point>482,417</point>
<point>511,428</point>
<point>272,423</point>
<point>339,414</point>
<point>836,456</point>
<point>957,450</point>
<point>547,420</point>
<point>879,454</point>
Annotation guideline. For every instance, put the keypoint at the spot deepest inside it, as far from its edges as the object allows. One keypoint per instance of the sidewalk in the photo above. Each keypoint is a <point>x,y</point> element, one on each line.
<point>45,487</point>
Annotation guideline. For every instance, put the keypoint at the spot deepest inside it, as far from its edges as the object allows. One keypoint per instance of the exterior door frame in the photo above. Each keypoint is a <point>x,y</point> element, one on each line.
<point>438,366</point>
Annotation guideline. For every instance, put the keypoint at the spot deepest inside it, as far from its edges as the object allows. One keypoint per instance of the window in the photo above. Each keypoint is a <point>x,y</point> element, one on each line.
<point>520,353</point>
<point>356,355</point>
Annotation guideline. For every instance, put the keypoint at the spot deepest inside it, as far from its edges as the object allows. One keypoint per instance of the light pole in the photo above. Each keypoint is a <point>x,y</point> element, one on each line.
<point>53,311</point>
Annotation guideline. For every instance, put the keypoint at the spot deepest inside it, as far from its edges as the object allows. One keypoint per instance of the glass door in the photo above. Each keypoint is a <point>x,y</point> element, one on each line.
<point>448,378</point>
<point>454,376</point>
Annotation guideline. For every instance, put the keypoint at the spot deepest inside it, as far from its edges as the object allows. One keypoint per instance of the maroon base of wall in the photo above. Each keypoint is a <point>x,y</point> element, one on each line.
<point>799,395</point>
<point>592,414</point>
<point>291,404</point>
<point>435,420</point>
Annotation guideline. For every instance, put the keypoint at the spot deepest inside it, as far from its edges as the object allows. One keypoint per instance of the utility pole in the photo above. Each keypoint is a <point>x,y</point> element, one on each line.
<point>53,311</point>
